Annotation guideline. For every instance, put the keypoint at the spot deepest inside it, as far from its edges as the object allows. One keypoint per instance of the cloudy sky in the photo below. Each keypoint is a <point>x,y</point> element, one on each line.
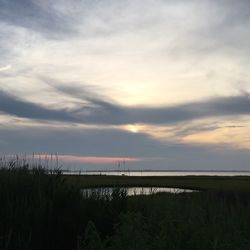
<point>161,84</point>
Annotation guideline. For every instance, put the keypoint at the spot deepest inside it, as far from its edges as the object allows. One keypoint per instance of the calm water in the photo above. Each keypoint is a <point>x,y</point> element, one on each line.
<point>135,190</point>
<point>162,173</point>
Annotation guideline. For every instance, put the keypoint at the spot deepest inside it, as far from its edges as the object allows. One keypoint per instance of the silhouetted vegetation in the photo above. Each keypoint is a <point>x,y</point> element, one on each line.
<point>41,209</point>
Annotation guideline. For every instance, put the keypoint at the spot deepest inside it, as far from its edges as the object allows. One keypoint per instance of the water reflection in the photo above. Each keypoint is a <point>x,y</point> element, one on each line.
<point>131,191</point>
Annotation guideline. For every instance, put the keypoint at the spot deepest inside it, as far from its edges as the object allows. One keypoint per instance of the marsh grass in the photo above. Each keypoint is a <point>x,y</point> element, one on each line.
<point>203,183</point>
<point>39,209</point>
<point>42,209</point>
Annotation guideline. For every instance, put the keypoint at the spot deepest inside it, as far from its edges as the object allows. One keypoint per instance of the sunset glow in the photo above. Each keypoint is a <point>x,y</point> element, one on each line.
<point>87,159</point>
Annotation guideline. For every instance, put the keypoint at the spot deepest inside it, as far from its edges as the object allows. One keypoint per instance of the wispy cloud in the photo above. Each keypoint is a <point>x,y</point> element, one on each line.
<point>165,49</point>
<point>38,16</point>
<point>7,67</point>
<point>12,105</point>
<point>98,111</point>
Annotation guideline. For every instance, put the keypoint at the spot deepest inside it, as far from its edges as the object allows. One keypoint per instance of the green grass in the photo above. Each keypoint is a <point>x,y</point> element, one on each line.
<point>212,183</point>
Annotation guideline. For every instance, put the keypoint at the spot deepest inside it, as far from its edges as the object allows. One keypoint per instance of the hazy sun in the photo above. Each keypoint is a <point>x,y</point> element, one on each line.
<point>133,128</point>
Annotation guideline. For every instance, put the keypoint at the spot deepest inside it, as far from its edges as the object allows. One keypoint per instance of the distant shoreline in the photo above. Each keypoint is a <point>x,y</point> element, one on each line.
<point>150,170</point>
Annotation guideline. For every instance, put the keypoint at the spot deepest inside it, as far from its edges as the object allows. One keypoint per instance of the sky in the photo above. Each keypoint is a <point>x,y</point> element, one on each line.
<point>159,84</point>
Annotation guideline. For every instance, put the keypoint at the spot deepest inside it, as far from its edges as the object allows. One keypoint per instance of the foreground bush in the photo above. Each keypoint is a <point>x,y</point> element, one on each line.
<point>40,210</point>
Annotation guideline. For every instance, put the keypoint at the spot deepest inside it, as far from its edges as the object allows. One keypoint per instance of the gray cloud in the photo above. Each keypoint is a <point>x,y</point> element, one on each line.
<point>107,112</point>
<point>187,129</point>
<point>98,111</point>
<point>180,131</point>
<point>31,14</point>
<point>116,143</point>
<point>213,107</point>
<point>14,106</point>
<point>106,17</point>
<point>100,142</point>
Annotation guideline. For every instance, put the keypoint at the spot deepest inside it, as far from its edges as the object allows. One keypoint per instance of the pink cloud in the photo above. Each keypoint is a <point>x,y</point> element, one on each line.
<point>89,159</point>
